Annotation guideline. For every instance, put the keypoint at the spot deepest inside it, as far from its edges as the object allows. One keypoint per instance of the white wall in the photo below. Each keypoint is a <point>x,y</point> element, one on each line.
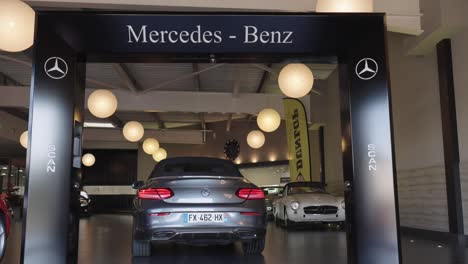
<point>460,72</point>
<point>262,176</point>
<point>418,138</point>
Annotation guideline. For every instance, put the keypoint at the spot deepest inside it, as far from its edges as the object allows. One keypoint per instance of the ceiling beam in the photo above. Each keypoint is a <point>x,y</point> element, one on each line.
<point>129,80</point>
<point>28,63</point>
<point>265,68</point>
<point>182,77</point>
<point>165,101</point>
<point>263,79</point>
<point>157,119</point>
<point>21,113</point>
<point>102,84</point>
<point>8,80</point>
<point>177,136</point>
<point>117,122</point>
<point>237,83</point>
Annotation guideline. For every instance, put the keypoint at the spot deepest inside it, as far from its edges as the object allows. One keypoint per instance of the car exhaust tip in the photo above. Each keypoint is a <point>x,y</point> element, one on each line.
<point>163,235</point>
<point>245,234</point>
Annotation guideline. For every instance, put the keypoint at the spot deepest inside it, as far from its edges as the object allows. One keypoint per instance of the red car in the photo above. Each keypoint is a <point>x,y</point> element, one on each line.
<point>4,224</point>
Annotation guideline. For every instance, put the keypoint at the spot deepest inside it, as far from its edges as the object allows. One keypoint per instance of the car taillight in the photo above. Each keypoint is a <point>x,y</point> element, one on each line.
<point>159,214</point>
<point>155,193</point>
<point>251,194</point>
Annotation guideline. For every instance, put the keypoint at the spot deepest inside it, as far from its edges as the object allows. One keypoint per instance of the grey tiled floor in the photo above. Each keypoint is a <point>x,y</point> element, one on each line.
<point>106,239</point>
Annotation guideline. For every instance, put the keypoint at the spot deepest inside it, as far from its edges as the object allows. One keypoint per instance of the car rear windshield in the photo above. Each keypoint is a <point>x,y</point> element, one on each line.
<point>195,167</point>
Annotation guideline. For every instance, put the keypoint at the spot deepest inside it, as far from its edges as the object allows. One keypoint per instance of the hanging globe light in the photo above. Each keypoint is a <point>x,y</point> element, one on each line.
<point>160,154</point>
<point>17,23</point>
<point>296,80</point>
<point>268,120</point>
<point>133,131</point>
<point>88,159</point>
<point>150,146</point>
<point>24,139</point>
<point>102,103</point>
<point>345,6</point>
<point>255,139</point>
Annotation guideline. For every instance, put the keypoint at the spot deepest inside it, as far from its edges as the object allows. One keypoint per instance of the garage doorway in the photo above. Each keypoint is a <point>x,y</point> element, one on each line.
<point>356,42</point>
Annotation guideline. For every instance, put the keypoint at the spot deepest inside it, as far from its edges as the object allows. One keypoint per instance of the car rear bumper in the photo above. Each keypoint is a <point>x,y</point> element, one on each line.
<point>206,235</point>
<point>173,228</point>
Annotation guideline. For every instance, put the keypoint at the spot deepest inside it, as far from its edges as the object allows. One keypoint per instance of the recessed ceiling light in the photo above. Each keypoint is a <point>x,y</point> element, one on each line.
<point>5,168</point>
<point>98,125</point>
<point>3,174</point>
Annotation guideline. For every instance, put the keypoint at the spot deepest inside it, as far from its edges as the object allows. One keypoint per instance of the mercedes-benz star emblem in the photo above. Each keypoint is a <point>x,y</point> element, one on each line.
<point>205,192</point>
<point>56,68</point>
<point>367,69</point>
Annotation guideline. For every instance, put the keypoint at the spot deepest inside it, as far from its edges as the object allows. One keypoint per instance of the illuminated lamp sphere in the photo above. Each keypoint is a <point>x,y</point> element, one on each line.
<point>24,139</point>
<point>268,120</point>
<point>133,131</point>
<point>296,80</point>
<point>346,6</point>
<point>88,160</point>
<point>17,23</point>
<point>150,146</point>
<point>255,139</point>
<point>102,103</point>
<point>160,154</point>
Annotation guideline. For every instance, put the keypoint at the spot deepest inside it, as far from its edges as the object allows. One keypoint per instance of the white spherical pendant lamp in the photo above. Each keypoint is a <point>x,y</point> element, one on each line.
<point>88,159</point>
<point>150,146</point>
<point>160,154</point>
<point>24,139</point>
<point>102,103</point>
<point>268,120</point>
<point>17,23</point>
<point>255,139</point>
<point>347,6</point>
<point>296,80</point>
<point>133,131</point>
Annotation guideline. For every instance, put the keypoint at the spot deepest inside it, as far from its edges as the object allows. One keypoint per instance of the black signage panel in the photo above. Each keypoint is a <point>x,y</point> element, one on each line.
<point>322,35</point>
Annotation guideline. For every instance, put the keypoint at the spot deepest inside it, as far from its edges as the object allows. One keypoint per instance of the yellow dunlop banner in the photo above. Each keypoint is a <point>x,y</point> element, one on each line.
<point>298,139</point>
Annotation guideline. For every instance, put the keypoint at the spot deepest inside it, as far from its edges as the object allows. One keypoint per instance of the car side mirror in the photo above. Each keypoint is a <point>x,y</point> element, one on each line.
<point>138,184</point>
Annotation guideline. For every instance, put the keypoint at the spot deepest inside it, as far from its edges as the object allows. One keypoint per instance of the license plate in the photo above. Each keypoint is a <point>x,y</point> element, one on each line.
<point>204,218</point>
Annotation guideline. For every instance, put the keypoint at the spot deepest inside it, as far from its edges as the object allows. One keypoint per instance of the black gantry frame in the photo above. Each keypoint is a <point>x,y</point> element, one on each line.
<point>67,40</point>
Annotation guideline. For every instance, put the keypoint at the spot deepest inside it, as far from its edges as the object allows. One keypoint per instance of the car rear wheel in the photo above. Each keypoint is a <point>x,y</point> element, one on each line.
<point>141,248</point>
<point>3,237</point>
<point>254,247</point>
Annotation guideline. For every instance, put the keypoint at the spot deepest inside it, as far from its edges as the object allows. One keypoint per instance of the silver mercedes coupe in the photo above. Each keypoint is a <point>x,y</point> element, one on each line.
<point>195,200</point>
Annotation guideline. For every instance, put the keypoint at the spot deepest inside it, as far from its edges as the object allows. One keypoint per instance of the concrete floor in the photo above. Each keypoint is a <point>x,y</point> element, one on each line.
<point>107,238</point>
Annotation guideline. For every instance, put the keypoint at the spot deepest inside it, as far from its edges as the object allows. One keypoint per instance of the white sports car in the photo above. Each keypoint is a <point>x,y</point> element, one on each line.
<point>308,202</point>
